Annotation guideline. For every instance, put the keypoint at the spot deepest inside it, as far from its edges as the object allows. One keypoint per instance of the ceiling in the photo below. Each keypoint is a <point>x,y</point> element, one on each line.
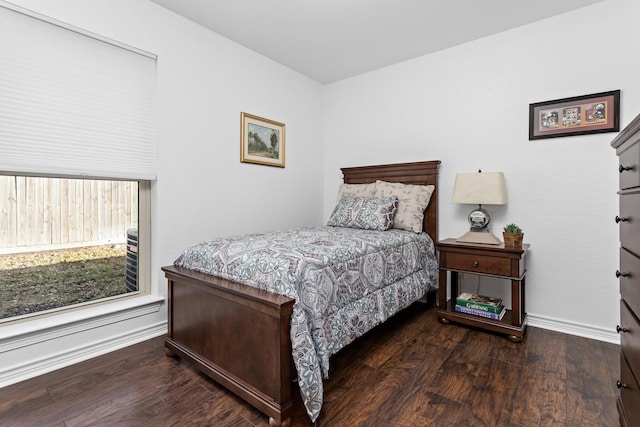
<point>330,40</point>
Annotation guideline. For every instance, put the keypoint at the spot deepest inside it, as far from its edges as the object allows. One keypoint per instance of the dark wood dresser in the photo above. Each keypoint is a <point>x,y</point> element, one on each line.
<point>627,145</point>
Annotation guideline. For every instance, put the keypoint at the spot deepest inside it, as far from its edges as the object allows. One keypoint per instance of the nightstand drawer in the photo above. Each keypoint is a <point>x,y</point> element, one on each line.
<point>478,264</point>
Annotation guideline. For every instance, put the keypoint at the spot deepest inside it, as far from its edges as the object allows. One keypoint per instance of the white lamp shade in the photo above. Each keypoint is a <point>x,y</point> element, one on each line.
<point>480,188</point>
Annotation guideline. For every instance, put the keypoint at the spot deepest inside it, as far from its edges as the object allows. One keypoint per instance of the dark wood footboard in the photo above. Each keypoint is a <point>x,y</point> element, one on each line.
<point>235,334</point>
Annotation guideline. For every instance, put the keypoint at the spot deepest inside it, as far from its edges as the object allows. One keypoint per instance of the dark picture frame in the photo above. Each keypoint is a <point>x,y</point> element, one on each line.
<point>578,115</point>
<point>261,141</point>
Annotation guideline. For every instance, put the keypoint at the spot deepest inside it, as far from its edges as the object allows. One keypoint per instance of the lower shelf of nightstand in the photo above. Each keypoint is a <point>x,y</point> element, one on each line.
<point>514,332</point>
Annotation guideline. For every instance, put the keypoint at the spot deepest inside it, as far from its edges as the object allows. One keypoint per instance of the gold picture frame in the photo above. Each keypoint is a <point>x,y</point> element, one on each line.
<point>261,141</point>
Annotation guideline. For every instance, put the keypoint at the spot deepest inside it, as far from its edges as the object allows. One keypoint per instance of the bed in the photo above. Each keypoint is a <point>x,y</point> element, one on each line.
<point>242,337</point>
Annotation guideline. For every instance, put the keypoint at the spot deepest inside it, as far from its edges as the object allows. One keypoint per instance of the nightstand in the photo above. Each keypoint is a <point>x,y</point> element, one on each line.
<point>484,260</point>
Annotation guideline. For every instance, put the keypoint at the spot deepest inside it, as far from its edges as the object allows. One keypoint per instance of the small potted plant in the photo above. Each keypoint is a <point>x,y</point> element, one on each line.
<point>513,236</point>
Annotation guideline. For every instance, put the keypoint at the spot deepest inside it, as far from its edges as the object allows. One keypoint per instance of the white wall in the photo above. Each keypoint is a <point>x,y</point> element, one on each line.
<point>202,190</point>
<point>468,107</point>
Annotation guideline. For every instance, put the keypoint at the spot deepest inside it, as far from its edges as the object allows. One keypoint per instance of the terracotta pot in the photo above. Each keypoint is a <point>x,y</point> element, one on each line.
<point>513,240</point>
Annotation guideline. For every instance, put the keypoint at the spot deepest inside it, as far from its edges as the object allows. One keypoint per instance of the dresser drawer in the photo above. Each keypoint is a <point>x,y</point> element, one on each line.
<point>629,170</point>
<point>629,280</point>
<point>629,393</point>
<point>630,221</point>
<point>478,264</point>
<point>630,337</point>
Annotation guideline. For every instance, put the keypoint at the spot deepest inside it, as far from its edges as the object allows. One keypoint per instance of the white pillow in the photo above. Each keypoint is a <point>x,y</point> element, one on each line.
<point>360,190</point>
<point>412,201</point>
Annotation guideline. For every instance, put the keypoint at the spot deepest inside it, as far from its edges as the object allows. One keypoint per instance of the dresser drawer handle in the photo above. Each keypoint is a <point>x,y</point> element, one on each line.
<point>619,329</point>
<point>623,219</point>
<point>625,168</point>
<point>621,274</point>
<point>476,264</point>
<point>620,384</point>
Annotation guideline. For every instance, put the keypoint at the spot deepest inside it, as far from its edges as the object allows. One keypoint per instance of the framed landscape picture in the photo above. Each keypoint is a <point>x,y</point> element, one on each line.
<point>580,115</point>
<point>261,141</point>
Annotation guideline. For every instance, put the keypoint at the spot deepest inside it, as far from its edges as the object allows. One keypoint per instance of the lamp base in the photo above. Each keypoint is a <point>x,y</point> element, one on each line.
<point>484,238</point>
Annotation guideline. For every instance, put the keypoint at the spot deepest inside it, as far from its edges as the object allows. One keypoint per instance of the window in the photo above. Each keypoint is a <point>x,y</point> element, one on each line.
<point>68,241</point>
<point>77,111</point>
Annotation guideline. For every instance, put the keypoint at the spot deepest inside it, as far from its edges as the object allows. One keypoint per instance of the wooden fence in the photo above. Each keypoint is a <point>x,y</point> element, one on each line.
<point>58,212</point>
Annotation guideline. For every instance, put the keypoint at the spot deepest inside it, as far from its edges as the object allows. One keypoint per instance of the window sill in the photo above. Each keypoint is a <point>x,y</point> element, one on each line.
<point>31,331</point>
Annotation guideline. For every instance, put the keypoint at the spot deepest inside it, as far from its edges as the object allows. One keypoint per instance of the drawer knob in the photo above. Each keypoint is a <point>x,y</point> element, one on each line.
<point>620,384</point>
<point>476,264</point>
<point>621,274</point>
<point>625,168</point>
<point>623,219</point>
<point>619,329</point>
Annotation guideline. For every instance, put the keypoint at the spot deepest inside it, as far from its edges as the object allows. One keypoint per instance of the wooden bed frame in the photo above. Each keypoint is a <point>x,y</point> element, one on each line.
<point>239,335</point>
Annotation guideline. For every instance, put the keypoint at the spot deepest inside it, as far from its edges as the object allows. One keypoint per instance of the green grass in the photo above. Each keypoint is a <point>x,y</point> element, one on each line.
<point>40,281</point>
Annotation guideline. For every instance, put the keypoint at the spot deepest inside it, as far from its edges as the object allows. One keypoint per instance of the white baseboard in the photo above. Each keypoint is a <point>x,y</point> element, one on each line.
<point>52,362</point>
<point>581,330</point>
<point>43,344</point>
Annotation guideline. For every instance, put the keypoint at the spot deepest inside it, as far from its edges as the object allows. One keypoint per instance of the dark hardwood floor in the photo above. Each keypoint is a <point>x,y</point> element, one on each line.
<point>411,371</point>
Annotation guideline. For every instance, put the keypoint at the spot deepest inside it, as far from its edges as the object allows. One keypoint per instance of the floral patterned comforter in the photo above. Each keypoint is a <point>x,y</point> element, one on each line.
<point>345,281</point>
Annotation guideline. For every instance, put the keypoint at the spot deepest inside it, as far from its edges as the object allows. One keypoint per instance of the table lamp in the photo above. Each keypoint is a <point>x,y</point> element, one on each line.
<point>481,188</point>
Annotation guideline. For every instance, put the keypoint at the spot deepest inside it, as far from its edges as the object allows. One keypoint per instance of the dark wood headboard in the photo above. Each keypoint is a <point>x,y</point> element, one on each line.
<point>417,173</point>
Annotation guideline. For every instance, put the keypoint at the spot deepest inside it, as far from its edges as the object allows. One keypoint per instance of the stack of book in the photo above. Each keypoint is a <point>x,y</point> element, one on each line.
<point>480,305</point>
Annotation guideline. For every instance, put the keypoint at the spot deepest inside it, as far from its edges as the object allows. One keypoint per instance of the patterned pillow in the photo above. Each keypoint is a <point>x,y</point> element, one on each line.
<point>367,213</point>
<point>412,201</point>
<point>362,190</point>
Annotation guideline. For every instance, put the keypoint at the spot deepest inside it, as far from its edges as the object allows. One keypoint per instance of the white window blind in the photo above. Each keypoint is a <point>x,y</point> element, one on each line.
<point>73,103</point>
